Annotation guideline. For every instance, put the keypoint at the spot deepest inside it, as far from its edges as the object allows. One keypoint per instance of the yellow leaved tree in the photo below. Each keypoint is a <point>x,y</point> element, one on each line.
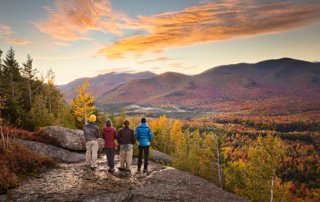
<point>82,105</point>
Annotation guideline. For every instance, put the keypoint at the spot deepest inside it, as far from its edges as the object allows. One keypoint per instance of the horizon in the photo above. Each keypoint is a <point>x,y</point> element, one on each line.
<point>182,72</point>
<point>87,38</point>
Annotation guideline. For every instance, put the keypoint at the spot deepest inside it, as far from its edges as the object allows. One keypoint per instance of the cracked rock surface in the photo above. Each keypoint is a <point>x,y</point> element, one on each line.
<point>77,182</point>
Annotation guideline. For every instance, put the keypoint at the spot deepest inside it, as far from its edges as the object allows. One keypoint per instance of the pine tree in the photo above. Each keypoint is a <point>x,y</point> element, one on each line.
<point>29,74</point>
<point>11,72</point>
<point>12,85</point>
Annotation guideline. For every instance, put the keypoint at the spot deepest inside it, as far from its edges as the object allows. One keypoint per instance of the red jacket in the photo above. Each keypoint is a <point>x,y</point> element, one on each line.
<point>109,136</point>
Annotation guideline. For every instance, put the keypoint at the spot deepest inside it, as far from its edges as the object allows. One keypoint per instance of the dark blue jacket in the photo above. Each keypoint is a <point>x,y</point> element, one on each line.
<point>91,132</point>
<point>143,135</point>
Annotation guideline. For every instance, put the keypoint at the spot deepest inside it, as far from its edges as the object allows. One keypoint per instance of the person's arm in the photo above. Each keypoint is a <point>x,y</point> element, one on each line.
<point>133,139</point>
<point>137,134</point>
<point>114,133</point>
<point>150,134</point>
<point>119,136</point>
<point>97,132</point>
<point>103,134</point>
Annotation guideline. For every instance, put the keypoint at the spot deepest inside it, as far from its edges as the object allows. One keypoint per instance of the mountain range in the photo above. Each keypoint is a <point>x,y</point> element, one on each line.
<point>229,87</point>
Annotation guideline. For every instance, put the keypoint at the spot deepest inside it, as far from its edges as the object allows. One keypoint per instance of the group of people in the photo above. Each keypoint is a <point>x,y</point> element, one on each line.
<point>126,138</point>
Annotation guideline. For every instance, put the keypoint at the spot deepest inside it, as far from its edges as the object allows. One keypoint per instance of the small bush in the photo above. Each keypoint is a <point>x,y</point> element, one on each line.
<point>17,162</point>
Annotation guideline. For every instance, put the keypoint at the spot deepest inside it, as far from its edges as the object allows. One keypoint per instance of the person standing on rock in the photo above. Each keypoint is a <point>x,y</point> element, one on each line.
<point>109,136</point>
<point>144,137</point>
<point>126,140</point>
<point>91,135</point>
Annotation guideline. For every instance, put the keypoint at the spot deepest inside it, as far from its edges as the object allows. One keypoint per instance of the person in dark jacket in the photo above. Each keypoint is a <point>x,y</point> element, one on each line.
<point>91,135</point>
<point>109,135</point>
<point>144,136</point>
<point>126,140</point>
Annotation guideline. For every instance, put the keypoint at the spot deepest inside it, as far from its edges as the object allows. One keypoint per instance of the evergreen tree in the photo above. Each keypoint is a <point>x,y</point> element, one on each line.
<point>29,73</point>
<point>11,72</point>
<point>12,88</point>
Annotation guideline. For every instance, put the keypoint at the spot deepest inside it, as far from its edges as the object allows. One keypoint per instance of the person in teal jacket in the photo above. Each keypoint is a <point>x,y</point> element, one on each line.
<point>144,136</point>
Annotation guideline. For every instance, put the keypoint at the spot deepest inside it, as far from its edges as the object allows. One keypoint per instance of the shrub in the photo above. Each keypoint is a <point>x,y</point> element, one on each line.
<point>17,162</point>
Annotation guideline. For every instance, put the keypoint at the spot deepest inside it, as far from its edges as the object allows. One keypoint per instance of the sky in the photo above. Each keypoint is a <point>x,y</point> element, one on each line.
<point>85,38</point>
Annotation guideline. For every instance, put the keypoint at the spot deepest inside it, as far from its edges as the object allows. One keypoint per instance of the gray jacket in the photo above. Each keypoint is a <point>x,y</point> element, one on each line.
<point>91,132</point>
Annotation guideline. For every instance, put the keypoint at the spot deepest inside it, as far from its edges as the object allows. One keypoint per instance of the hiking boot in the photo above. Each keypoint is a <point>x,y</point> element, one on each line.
<point>111,170</point>
<point>121,168</point>
<point>128,170</point>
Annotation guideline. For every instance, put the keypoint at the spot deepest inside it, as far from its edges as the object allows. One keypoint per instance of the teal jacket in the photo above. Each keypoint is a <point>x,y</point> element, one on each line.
<point>143,135</point>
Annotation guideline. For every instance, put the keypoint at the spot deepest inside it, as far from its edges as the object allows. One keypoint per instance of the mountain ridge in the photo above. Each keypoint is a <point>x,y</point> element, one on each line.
<point>283,78</point>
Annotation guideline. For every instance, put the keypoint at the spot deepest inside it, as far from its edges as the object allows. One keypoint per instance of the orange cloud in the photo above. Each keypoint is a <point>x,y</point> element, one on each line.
<point>213,21</point>
<point>7,35</point>
<point>73,19</point>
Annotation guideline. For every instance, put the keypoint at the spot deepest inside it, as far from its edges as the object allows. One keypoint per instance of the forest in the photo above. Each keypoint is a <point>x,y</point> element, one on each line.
<point>255,157</point>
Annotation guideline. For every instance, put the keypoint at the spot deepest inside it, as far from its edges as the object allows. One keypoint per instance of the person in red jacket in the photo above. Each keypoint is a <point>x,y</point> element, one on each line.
<point>109,136</point>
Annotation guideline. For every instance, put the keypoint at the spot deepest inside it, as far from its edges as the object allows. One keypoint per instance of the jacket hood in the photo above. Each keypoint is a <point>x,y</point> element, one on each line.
<point>144,125</point>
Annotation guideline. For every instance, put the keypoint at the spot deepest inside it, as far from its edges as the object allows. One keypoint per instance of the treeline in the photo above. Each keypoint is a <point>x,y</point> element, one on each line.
<point>280,127</point>
<point>29,101</point>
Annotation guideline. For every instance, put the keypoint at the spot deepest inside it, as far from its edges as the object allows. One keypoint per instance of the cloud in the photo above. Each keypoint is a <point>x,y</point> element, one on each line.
<point>19,42</point>
<point>159,59</point>
<point>7,35</point>
<point>73,19</point>
<point>212,21</point>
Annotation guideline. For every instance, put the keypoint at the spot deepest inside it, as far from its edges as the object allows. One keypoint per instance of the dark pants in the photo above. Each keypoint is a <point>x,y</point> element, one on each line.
<point>110,152</point>
<point>144,150</point>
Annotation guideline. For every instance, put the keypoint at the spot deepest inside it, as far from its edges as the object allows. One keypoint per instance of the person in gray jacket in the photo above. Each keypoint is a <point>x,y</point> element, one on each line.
<point>91,135</point>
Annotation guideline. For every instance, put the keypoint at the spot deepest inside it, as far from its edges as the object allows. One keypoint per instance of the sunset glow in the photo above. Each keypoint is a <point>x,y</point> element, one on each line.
<point>84,38</point>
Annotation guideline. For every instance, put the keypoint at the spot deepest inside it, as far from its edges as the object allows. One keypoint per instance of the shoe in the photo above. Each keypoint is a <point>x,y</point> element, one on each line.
<point>121,169</point>
<point>111,170</point>
<point>128,170</point>
<point>145,170</point>
<point>139,170</point>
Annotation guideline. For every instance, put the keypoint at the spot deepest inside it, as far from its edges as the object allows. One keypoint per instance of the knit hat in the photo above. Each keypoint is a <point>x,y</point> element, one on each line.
<point>109,122</point>
<point>92,118</point>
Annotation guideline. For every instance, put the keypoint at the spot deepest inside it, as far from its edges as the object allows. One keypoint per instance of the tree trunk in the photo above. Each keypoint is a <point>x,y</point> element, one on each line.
<point>30,93</point>
<point>49,102</point>
<point>219,166</point>
<point>2,135</point>
<point>272,184</point>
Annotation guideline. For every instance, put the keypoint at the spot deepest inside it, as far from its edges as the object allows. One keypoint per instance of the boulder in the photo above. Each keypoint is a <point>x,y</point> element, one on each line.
<point>59,154</point>
<point>160,157</point>
<point>71,139</point>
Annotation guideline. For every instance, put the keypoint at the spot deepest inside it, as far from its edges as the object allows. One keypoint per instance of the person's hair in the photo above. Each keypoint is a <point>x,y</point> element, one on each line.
<point>126,123</point>
<point>108,122</point>
<point>143,120</point>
